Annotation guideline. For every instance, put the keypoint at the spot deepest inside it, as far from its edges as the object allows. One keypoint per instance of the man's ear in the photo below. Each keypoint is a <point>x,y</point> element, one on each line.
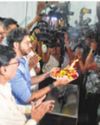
<point>2,70</point>
<point>16,45</point>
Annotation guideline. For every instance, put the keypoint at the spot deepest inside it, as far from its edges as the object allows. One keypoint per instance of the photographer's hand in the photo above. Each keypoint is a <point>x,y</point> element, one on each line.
<point>66,40</point>
<point>93,45</point>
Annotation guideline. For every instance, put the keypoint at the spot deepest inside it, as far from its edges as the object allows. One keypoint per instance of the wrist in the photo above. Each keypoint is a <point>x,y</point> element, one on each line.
<point>28,109</point>
<point>31,122</point>
<point>66,45</point>
<point>52,86</point>
<point>56,83</point>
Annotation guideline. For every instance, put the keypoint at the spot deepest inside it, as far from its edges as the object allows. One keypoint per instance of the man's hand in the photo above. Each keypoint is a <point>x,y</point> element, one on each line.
<point>38,112</point>
<point>61,82</point>
<point>38,101</point>
<point>33,61</point>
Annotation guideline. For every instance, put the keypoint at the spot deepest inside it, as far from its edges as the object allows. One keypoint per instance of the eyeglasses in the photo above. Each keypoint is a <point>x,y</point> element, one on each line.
<point>18,62</point>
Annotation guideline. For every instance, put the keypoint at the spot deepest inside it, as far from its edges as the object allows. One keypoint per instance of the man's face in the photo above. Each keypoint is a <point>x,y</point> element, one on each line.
<point>11,27</point>
<point>52,51</point>
<point>2,33</point>
<point>25,46</point>
<point>11,68</point>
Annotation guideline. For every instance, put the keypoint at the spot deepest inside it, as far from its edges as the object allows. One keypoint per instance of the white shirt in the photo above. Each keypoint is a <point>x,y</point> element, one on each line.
<point>52,62</point>
<point>9,111</point>
<point>35,86</point>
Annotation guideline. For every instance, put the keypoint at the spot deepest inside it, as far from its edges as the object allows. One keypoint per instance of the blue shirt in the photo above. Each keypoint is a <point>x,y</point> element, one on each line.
<point>21,83</point>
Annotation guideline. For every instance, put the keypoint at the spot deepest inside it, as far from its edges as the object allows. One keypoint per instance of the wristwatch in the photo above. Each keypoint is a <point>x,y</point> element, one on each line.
<point>51,86</point>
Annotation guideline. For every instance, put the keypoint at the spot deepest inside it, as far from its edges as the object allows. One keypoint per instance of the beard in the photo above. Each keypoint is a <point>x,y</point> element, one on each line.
<point>23,51</point>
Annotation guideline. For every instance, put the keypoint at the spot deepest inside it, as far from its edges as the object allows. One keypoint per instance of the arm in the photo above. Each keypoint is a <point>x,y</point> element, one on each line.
<point>82,67</point>
<point>78,54</point>
<point>36,19</point>
<point>69,51</point>
<point>39,111</point>
<point>47,89</point>
<point>37,79</point>
<point>90,63</point>
<point>31,122</point>
<point>40,93</point>
<point>26,109</point>
<point>89,58</point>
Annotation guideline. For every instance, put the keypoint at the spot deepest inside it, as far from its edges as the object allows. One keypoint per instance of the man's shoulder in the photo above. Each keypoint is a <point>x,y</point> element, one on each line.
<point>22,66</point>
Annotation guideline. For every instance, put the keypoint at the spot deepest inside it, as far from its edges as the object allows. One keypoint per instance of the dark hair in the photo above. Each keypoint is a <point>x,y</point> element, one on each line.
<point>16,35</point>
<point>2,19</point>
<point>6,54</point>
<point>10,21</point>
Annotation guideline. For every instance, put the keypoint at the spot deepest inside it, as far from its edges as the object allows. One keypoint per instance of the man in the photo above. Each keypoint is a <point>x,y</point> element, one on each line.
<point>19,40</point>
<point>2,32</point>
<point>8,24</point>
<point>10,112</point>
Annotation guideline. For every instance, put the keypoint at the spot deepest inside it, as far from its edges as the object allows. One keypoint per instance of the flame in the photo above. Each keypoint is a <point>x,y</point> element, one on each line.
<point>74,62</point>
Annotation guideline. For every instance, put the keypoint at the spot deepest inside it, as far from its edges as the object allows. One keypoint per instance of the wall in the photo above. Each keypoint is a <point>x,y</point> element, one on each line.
<point>22,11</point>
<point>76,6</point>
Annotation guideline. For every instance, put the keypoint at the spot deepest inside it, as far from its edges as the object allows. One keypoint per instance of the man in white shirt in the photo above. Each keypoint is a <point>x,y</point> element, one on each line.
<point>10,112</point>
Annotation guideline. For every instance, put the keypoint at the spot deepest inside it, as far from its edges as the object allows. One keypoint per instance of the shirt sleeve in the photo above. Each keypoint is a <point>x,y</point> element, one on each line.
<point>31,122</point>
<point>25,109</point>
<point>20,88</point>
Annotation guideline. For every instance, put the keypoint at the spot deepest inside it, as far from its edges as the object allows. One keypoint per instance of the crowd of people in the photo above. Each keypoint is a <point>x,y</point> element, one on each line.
<point>21,73</point>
